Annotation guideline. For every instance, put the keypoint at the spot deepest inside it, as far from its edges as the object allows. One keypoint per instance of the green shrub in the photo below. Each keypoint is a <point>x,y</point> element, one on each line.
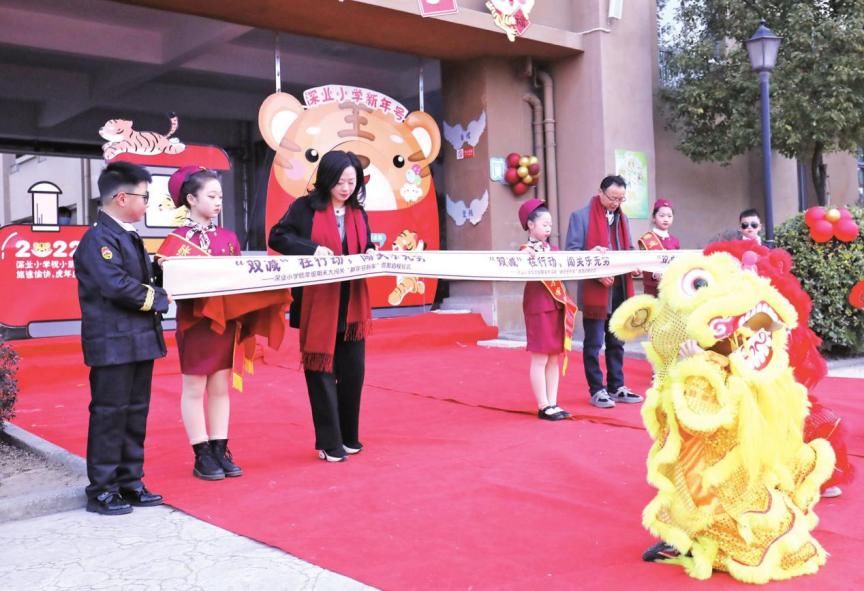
<point>8,383</point>
<point>827,272</point>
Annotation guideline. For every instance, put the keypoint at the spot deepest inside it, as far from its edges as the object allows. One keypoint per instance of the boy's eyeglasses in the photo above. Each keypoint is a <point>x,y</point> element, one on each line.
<point>144,196</point>
<point>754,225</point>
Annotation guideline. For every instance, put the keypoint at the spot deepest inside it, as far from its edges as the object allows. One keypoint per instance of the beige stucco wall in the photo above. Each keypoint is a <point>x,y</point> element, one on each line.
<point>496,85</point>
<point>605,101</point>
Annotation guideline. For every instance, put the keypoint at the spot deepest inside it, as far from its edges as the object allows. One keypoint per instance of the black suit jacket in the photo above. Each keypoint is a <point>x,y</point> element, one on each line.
<point>121,308</point>
<point>292,236</point>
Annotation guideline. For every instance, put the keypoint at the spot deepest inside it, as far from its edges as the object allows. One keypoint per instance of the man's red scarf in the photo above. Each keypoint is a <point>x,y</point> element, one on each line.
<point>595,295</point>
<point>319,316</point>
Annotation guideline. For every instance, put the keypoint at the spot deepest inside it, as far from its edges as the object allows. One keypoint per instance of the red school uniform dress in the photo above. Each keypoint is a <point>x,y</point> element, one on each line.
<point>544,314</point>
<point>656,240</point>
<point>203,351</point>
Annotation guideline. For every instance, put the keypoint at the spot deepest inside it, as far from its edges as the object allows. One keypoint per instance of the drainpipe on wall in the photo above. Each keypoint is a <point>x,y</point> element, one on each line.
<point>537,126</point>
<point>550,171</point>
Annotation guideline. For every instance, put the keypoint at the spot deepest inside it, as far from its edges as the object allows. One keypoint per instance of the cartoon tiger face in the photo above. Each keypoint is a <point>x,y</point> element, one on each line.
<point>408,240</point>
<point>41,249</point>
<point>395,154</point>
<point>115,129</point>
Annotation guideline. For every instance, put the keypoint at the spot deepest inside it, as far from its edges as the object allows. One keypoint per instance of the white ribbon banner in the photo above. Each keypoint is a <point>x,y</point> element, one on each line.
<point>195,277</point>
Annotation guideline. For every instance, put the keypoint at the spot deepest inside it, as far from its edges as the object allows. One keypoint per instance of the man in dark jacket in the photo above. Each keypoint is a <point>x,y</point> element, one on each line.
<point>602,226</point>
<point>121,335</point>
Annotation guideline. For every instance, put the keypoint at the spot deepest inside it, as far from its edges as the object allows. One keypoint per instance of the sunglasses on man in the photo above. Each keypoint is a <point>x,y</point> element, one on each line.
<point>753,225</point>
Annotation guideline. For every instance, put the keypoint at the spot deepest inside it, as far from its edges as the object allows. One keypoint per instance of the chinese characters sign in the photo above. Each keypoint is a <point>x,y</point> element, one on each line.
<point>337,93</point>
<point>633,166</point>
<point>208,276</point>
<point>37,274</point>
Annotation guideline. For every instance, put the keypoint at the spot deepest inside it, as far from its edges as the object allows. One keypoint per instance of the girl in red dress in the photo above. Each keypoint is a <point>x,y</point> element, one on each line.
<point>206,357</point>
<point>547,309</point>
<point>658,238</point>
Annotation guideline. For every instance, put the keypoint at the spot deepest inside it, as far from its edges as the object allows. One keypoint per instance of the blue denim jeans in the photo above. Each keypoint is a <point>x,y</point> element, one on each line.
<point>596,333</point>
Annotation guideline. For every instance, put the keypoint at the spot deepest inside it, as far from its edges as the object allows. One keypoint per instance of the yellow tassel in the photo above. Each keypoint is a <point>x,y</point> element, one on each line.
<point>237,381</point>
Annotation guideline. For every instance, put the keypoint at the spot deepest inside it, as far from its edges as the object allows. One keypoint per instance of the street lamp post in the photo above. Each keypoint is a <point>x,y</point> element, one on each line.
<point>762,48</point>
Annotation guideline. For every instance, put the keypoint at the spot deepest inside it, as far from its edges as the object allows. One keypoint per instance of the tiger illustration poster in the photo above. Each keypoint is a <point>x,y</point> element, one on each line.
<point>396,147</point>
<point>123,138</point>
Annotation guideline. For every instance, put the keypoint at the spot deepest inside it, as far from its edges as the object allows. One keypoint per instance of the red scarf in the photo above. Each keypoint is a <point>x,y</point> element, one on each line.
<point>319,316</point>
<point>595,295</point>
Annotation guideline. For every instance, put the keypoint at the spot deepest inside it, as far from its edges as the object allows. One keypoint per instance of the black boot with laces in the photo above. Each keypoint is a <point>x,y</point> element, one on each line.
<point>206,465</point>
<point>224,457</point>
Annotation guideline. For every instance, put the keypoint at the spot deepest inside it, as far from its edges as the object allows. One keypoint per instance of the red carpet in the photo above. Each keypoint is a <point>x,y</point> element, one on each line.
<point>460,486</point>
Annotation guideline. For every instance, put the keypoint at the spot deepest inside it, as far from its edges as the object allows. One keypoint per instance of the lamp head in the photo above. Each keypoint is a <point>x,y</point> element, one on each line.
<point>762,48</point>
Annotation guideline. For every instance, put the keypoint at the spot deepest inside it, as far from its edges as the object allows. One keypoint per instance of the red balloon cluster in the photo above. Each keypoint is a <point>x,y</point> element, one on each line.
<point>522,172</point>
<point>856,295</point>
<point>831,223</point>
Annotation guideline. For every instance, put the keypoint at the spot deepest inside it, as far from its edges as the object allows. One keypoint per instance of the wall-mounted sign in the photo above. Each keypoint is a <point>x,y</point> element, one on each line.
<point>473,212</point>
<point>457,136</point>
<point>497,167</point>
<point>437,7</point>
<point>633,166</point>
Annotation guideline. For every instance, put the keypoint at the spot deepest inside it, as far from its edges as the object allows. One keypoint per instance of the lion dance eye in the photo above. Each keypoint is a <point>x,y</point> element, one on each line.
<point>694,280</point>
<point>312,155</point>
<point>398,161</point>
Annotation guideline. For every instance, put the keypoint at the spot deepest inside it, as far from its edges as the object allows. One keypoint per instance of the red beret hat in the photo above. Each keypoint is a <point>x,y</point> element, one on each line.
<point>662,203</point>
<point>526,209</point>
<point>175,183</point>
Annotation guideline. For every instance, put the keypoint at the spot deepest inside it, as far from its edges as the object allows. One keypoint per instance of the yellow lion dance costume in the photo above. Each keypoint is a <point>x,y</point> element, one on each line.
<point>736,484</point>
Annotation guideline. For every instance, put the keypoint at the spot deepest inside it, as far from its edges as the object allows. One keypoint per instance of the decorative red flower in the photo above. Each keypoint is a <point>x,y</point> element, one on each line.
<point>856,295</point>
<point>832,223</point>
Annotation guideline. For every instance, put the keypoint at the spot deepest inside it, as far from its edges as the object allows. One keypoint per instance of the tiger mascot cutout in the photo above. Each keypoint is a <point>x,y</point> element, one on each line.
<point>407,241</point>
<point>394,145</point>
<point>122,138</point>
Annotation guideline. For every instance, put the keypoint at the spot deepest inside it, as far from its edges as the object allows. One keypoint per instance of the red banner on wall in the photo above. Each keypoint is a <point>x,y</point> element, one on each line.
<point>37,274</point>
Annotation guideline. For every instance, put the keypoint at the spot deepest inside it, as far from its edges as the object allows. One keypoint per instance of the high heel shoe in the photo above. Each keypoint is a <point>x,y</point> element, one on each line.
<point>329,455</point>
<point>354,448</point>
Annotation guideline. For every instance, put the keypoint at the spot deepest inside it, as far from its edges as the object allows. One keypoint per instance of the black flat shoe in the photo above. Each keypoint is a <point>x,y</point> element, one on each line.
<point>659,552</point>
<point>141,497</point>
<point>551,416</point>
<point>109,503</point>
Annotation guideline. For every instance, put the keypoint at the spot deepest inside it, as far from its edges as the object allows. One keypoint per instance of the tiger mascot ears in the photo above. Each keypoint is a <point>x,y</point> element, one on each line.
<point>395,154</point>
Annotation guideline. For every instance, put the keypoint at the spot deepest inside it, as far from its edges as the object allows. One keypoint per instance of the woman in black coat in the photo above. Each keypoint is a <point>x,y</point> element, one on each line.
<point>333,318</point>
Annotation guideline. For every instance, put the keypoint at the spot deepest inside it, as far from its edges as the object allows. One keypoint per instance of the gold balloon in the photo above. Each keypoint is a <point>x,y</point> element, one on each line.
<point>522,171</point>
<point>832,215</point>
<point>533,160</point>
<point>528,179</point>
<point>523,161</point>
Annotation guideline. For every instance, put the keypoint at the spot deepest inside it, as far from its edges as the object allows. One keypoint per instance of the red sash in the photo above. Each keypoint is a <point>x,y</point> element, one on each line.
<point>650,241</point>
<point>261,313</point>
<point>556,289</point>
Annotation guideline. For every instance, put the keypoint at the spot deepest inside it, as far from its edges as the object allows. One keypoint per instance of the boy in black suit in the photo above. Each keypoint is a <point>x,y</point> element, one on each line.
<point>121,335</point>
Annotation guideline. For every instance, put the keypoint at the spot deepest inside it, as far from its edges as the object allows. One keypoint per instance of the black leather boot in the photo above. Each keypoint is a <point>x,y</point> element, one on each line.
<point>207,467</point>
<point>224,457</point>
